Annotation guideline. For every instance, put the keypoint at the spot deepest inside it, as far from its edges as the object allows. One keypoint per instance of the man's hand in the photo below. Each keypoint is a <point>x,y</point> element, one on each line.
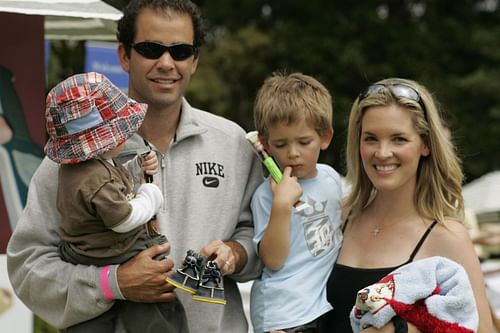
<point>230,256</point>
<point>142,279</point>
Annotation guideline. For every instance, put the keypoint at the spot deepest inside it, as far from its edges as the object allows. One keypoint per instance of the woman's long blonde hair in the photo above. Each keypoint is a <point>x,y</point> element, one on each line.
<point>438,192</point>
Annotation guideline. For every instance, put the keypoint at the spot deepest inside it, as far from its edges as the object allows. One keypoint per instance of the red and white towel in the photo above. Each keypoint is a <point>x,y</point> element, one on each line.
<point>434,294</point>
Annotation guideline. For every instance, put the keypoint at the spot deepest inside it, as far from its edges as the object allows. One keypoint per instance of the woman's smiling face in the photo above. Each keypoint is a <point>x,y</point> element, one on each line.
<point>390,147</point>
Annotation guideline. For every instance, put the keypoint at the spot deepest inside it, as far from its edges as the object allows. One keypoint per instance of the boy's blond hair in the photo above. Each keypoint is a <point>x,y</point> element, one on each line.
<point>292,98</point>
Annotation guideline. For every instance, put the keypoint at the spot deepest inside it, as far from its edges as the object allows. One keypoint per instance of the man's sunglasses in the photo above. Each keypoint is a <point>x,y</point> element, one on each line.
<point>153,50</point>
<point>398,90</point>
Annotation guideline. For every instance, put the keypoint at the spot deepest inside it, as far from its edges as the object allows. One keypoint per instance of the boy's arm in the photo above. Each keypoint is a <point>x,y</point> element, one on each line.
<point>140,164</point>
<point>275,244</point>
<point>134,168</point>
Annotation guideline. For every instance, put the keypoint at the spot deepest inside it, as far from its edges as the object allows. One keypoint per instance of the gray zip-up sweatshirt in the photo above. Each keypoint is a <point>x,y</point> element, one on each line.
<point>207,177</point>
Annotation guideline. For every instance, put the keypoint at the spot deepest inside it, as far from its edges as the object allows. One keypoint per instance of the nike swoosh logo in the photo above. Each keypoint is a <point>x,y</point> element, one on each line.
<point>211,182</point>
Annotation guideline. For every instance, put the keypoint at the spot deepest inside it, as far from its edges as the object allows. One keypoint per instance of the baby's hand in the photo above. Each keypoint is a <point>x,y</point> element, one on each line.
<point>150,163</point>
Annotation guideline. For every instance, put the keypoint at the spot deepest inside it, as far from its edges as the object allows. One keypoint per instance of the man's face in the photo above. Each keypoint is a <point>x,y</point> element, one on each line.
<point>161,82</point>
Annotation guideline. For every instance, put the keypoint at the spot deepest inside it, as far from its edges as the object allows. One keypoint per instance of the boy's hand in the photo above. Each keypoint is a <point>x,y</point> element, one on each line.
<point>288,191</point>
<point>150,163</point>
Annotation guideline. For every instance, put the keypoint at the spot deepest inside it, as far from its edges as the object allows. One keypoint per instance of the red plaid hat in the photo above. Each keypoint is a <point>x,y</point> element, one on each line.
<point>87,116</point>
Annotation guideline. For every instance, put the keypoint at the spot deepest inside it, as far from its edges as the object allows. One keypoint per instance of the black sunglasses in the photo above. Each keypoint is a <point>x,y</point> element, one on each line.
<point>153,50</point>
<point>397,89</point>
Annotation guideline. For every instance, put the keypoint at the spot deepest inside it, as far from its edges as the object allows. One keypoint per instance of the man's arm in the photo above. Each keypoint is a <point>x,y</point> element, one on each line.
<point>61,293</point>
<point>244,232</point>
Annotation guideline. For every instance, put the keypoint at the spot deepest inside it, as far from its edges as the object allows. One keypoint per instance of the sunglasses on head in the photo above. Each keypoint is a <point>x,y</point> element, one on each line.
<point>153,50</point>
<point>399,90</point>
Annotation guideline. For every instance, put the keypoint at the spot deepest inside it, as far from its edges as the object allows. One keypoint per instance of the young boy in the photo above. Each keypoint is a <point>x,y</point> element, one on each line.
<point>293,115</point>
<point>103,221</point>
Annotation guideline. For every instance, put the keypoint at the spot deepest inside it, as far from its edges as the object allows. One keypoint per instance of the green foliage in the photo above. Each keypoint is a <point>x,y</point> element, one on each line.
<point>226,84</point>
<point>41,326</point>
<point>450,46</point>
<point>66,58</point>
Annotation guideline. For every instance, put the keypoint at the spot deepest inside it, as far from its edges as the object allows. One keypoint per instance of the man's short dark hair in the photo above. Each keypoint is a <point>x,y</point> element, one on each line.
<point>127,24</point>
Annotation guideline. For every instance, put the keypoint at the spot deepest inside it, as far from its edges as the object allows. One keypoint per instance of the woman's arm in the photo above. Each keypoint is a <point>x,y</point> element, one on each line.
<point>456,244</point>
<point>389,328</point>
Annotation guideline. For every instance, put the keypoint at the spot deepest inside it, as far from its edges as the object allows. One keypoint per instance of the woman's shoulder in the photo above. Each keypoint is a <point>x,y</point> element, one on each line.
<point>450,239</point>
<point>452,229</point>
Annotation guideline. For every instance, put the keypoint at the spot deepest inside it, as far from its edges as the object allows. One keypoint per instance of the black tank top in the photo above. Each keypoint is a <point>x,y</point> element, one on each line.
<point>343,284</point>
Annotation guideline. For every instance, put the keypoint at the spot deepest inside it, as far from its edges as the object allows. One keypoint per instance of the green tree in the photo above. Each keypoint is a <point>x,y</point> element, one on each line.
<point>451,47</point>
<point>448,46</point>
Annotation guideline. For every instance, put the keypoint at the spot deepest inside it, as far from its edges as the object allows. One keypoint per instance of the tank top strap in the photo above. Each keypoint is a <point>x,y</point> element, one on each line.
<point>421,241</point>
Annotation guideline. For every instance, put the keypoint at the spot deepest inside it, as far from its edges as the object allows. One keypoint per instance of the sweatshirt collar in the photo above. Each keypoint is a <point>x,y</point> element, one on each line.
<point>188,126</point>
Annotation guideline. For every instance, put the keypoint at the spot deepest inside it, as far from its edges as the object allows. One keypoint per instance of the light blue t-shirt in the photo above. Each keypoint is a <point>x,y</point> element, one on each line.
<point>296,294</point>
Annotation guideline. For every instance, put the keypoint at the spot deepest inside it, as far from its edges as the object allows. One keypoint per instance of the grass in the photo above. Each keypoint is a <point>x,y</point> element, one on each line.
<point>43,327</point>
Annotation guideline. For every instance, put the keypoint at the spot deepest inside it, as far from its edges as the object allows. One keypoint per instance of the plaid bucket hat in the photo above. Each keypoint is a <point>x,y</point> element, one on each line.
<point>86,116</point>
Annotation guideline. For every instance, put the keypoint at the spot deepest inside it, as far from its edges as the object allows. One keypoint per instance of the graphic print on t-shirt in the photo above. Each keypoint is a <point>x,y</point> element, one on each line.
<point>318,229</point>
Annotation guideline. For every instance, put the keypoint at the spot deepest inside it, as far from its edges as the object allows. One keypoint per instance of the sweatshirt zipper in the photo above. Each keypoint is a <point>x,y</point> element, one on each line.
<point>163,180</point>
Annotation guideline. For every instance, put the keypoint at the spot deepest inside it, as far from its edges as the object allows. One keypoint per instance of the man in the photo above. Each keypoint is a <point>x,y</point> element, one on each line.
<point>208,173</point>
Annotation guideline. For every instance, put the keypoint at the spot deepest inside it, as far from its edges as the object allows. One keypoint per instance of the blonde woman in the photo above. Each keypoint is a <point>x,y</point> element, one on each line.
<point>406,201</point>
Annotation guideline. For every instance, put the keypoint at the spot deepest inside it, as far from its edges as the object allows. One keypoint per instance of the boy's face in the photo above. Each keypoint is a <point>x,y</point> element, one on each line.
<point>297,145</point>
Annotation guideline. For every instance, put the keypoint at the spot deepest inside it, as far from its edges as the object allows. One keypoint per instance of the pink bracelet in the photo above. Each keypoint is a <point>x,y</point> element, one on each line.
<point>108,294</point>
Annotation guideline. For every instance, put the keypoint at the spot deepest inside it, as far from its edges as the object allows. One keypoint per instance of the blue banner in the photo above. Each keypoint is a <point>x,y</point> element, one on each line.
<point>102,57</point>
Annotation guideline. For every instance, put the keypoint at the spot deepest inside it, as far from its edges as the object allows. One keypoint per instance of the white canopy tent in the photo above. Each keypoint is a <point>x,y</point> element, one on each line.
<point>482,196</point>
<point>70,19</point>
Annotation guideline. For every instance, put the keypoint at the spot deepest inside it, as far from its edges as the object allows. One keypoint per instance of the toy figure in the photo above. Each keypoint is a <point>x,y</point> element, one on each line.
<point>203,280</point>
<point>187,277</point>
<point>211,287</point>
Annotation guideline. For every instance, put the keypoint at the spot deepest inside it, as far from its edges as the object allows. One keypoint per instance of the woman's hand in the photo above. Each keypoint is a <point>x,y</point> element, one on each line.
<point>389,328</point>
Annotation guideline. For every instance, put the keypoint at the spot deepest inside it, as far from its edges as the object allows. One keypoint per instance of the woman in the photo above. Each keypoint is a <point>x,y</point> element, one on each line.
<point>406,201</point>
